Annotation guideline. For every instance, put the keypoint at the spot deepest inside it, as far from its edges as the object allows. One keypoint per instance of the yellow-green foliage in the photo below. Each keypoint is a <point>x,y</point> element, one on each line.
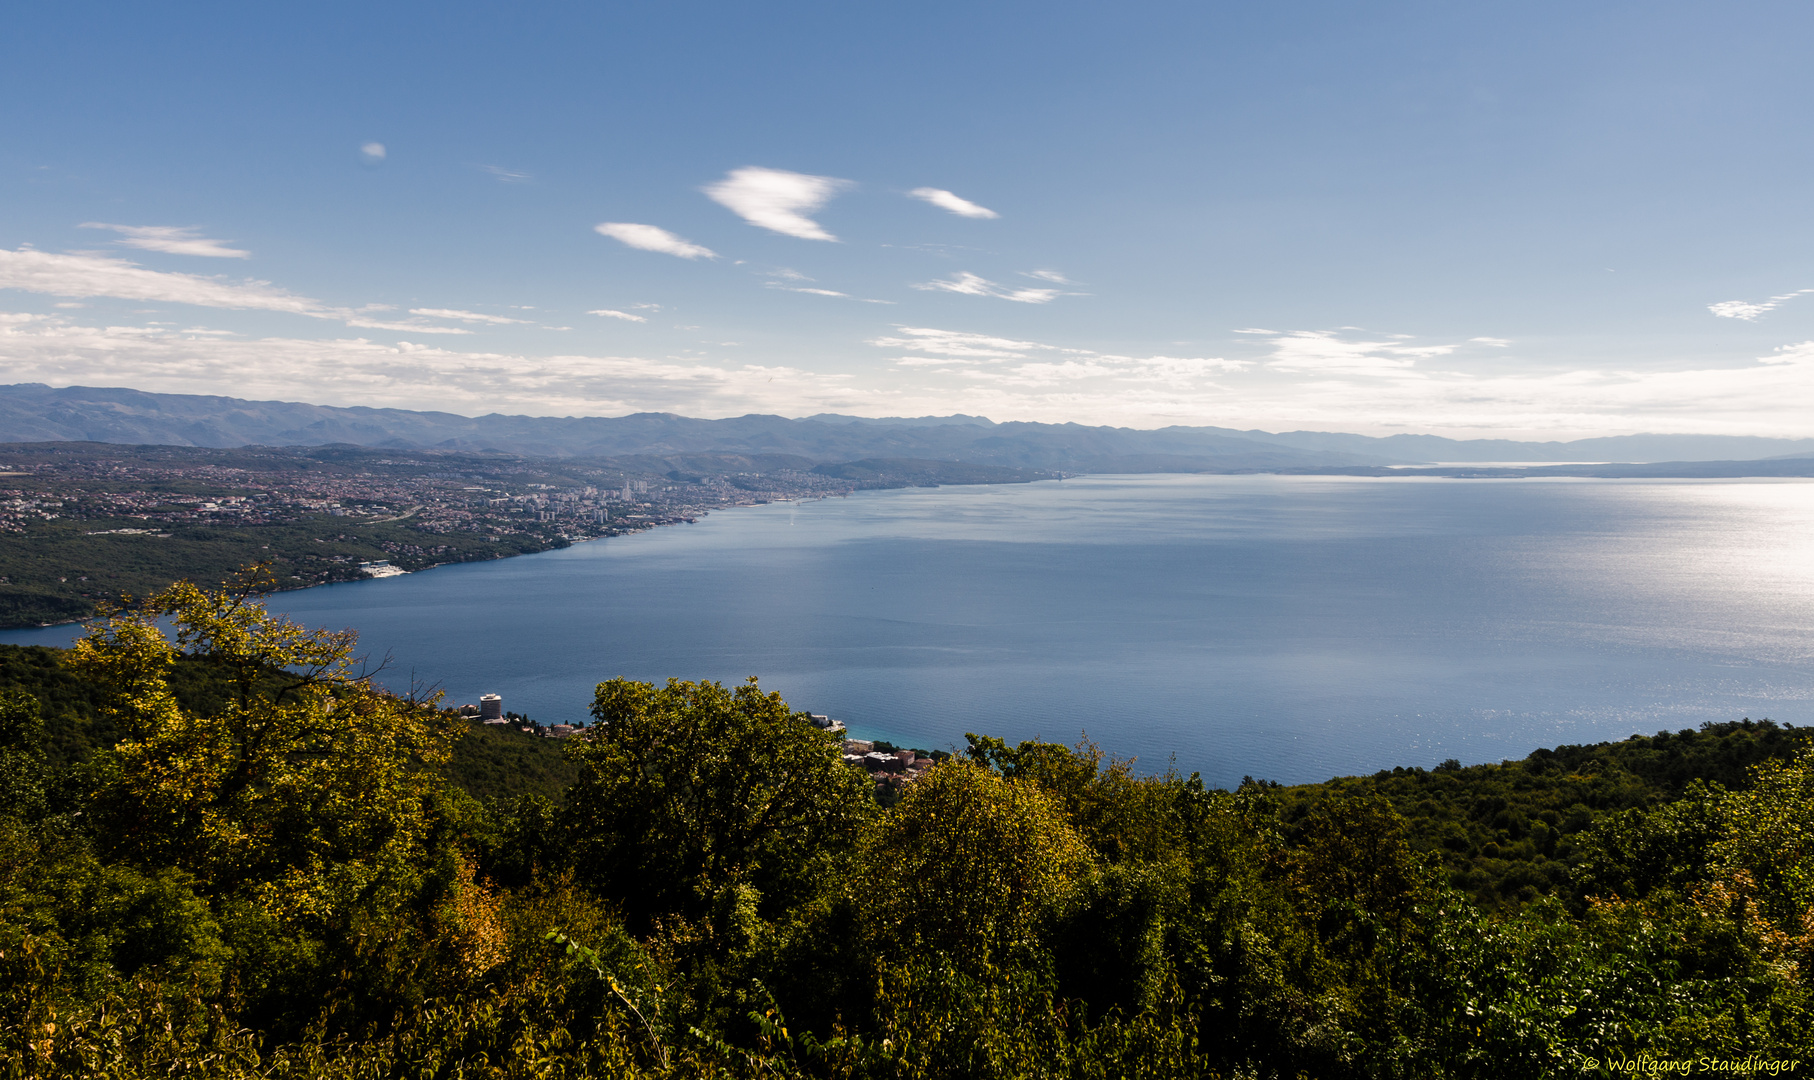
<point>1768,838</point>
<point>304,791</point>
<point>274,879</point>
<point>967,862</point>
<point>690,792</point>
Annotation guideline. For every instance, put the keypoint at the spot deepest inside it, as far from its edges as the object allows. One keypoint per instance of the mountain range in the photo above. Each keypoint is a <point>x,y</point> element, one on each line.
<point>34,412</point>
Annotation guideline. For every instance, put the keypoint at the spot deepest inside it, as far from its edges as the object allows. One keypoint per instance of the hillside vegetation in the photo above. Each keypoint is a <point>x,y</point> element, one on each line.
<point>85,524</point>
<point>224,854</point>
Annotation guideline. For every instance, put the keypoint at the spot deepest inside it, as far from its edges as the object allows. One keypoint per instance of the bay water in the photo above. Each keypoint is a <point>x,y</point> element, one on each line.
<point>1291,628</point>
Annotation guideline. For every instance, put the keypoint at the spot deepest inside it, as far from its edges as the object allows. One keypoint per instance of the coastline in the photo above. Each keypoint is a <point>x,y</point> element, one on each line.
<point>405,547</point>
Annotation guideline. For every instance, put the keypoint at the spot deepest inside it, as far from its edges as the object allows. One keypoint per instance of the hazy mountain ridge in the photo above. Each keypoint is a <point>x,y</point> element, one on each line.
<point>34,412</point>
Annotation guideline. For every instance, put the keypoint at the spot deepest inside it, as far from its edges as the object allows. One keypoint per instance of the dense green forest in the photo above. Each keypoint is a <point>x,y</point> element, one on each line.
<point>225,853</point>
<point>57,571</point>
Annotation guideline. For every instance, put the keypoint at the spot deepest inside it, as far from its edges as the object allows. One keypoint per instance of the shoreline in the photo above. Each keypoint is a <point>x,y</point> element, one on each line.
<point>1766,470</point>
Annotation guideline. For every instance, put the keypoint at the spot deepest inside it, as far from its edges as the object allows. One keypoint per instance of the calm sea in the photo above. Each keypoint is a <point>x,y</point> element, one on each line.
<point>1292,628</point>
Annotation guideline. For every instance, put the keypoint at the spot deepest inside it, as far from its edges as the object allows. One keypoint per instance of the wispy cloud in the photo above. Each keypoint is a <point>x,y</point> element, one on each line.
<point>173,239</point>
<point>777,200</point>
<point>609,313</point>
<point>975,285</point>
<point>653,238</point>
<point>55,350</point>
<point>930,361</point>
<point>1746,310</point>
<point>945,200</point>
<point>1323,351</point>
<point>407,326</point>
<point>959,343</point>
<point>1336,388</point>
<point>373,152</point>
<point>465,316</point>
<point>781,276</point>
<point>100,275</point>
<point>1048,275</point>
<point>1800,353</point>
<point>84,275</point>
<point>934,371</point>
<point>1187,367</point>
<point>507,176</point>
<point>1008,361</point>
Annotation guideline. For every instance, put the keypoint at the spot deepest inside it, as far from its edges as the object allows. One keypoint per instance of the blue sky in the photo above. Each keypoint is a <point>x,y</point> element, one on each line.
<point>1506,220</point>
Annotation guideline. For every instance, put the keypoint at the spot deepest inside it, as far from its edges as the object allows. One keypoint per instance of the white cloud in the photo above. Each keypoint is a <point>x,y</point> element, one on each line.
<point>624,315</point>
<point>173,239</point>
<point>506,175</point>
<point>100,275</point>
<point>1060,371</point>
<point>931,361</point>
<point>1119,372</point>
<point>1047,275</point>
<point>373,152</point>
<point>973,285</point>
<point>411,326</point>
<point>1744,309</point>
<point>945,200</point>
<point>652,238</point>
<point>1026,381</point>
<point>777,200</point>
<point>1323,351</point>
<point>1006,361</point>
<point>959,343</point>
<point>465,316</point>
<point>1799,353</point>
<point>936,371</point>
<point>408,375</point>
<point>1738,309</point>
<point>1189,367</point>
<point>794,275</point>
<point>1772,398</point>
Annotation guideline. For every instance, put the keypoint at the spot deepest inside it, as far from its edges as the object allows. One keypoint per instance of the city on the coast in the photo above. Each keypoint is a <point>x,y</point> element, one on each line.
<point>86,524</point>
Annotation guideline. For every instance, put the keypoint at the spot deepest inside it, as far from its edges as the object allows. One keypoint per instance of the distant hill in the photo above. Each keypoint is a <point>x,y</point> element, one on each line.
<point>1627,448</point>
<point>34,412</point>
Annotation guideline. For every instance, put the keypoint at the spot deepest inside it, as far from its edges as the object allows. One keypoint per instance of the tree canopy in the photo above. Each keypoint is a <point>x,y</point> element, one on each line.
<point>262,866</point>
<point>691,789</point>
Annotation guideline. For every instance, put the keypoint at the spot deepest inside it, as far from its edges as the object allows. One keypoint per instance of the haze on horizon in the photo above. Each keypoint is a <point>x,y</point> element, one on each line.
<point>1479,221</point>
